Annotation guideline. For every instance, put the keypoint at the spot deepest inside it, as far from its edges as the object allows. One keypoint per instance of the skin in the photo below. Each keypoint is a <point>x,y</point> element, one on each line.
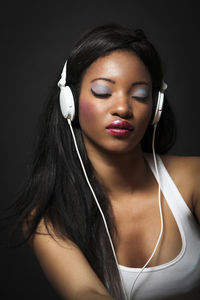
<point>121,168</point>
<point>113,155</point>
<point>97,113</point>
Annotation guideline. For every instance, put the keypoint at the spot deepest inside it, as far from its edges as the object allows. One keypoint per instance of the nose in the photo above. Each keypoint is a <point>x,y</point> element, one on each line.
<point>122,107</point>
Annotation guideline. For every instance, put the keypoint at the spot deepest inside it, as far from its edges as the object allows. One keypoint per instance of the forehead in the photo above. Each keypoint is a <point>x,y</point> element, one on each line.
<point>119,65</point>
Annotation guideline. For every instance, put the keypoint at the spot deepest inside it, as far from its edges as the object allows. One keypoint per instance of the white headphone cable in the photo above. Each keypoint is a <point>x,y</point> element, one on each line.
<point>103,217</point>
<point>99,207</point>
<point>160,210</point>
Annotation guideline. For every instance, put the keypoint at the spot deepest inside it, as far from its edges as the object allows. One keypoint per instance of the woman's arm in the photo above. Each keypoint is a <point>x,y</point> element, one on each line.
<point>67,268</point>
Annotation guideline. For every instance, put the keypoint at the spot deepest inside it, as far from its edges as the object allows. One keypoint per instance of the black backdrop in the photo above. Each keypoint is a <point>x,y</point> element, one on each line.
<point>36,38</point>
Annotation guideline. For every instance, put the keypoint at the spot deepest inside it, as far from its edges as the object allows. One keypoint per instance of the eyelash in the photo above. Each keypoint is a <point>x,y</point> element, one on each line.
<point>143,99</point>
<point>100,95</point>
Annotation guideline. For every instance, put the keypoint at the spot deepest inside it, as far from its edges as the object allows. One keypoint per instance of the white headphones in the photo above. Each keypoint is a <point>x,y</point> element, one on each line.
<point>67,105</point>
<point>68,111</point>
<point>159,105</point>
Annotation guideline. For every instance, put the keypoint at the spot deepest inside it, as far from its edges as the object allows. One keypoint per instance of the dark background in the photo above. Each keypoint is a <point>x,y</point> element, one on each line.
<point>36,38</point>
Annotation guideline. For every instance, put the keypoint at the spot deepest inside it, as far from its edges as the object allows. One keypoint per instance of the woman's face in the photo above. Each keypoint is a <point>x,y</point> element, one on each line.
<point>115,102</point>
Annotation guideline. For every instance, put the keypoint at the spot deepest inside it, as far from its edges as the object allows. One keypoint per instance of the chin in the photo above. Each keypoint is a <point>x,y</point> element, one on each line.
<point>119,148</point>
<point>113,145</point>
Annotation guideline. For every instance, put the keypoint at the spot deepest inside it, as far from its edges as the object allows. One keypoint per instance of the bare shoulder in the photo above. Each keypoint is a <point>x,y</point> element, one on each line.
<point>185,172</point>
<point>181,161</point>
<point>182,166</point>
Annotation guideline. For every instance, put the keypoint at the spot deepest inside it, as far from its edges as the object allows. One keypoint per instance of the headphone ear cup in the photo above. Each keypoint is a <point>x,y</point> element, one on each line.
<point>67,104</point>
<point>158,106</point>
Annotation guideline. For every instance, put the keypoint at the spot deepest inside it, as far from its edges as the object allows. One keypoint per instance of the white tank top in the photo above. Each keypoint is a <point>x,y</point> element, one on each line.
<point>181,274</point>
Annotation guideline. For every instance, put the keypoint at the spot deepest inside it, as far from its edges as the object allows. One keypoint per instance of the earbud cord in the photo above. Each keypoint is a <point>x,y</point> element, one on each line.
<point>99,207</point>
<point>160,209</point>
<point>104,220</point>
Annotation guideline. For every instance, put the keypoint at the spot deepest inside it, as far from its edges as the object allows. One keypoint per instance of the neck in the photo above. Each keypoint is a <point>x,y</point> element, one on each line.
<point>120,174</point>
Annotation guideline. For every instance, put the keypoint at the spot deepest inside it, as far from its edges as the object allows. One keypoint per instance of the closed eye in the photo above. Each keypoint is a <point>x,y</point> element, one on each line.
<point>140,98</point>
<point>101,95</point>
<point>100,91</point>
<point>141,94</point>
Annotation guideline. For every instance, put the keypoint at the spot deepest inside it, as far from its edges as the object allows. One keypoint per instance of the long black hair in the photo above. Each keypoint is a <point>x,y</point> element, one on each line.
<point>56,189</point>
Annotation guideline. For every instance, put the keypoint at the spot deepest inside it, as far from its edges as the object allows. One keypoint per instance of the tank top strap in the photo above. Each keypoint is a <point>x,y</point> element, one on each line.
<point>170,191</point>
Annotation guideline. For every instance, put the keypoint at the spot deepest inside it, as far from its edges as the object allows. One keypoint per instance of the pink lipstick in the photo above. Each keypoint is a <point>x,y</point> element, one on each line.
<point>120,128</point>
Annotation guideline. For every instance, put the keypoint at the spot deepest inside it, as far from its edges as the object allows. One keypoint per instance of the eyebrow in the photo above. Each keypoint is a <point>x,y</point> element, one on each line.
<point>112,81</point>
<point>102,78</point>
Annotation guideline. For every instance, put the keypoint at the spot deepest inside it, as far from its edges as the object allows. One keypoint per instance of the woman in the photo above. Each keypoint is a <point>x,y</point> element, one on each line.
<point>116,77</point>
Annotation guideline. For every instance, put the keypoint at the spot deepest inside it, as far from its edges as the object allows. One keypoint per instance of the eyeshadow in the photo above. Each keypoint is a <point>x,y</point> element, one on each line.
<point>140,92</point>
<point>97,88</point>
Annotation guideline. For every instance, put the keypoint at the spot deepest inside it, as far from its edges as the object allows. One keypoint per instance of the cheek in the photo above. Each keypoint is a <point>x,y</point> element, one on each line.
<point>87,111</point>
<point>144,114</point>
<point>148,114</point>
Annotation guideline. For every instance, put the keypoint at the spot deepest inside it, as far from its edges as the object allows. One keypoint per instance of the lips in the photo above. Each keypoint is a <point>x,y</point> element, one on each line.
<point>121,125</point>
<point>120,128</point>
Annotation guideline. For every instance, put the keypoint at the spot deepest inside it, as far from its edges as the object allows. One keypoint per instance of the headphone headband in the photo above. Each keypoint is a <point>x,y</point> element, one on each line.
<point>62,81</point>
<point>164,86</point>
